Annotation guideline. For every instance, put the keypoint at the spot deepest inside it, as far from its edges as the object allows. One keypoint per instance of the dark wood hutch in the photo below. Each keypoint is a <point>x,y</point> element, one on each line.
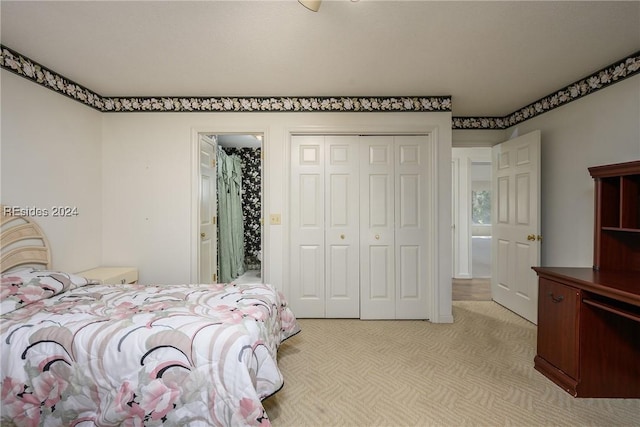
<point>589,318</point>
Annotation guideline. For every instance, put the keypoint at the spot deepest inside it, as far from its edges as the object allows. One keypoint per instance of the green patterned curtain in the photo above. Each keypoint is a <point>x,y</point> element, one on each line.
<point>230,223</point>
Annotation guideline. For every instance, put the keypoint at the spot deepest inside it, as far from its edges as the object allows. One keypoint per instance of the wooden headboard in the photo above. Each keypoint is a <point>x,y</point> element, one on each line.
<point>23,242</point>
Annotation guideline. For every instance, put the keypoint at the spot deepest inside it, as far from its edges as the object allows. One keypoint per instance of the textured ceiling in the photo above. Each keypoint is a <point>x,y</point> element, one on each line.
<point>491,57</point>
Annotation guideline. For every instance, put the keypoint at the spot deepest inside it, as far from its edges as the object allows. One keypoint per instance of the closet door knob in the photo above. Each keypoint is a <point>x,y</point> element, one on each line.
<point>202,235</point>
<point>377,237</point>
<point>342,236</point>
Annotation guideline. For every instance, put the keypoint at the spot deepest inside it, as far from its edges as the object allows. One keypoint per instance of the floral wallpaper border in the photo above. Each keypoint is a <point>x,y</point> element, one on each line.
<point>607,76</point>
<point>27,68</point>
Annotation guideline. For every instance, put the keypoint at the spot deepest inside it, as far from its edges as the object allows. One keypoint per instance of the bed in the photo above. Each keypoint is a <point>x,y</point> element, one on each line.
<point>78,353</point>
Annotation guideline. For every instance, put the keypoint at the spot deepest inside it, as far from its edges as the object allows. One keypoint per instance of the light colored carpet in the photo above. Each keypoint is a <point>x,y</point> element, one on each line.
<point>477,371</point>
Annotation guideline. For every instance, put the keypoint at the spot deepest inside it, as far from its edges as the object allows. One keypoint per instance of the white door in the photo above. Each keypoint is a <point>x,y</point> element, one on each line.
<point>377,228</point>
<point>307,273</point>
<point>324,226</point>
<point>516,224</point>
<point>208,253</point>
<point>358,226</point>
<point>342,272</point>
<point>411,163</point>
<point>393,258</point>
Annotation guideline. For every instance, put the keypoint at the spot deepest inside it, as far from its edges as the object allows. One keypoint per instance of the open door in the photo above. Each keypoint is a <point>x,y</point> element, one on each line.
<point>208,231</point>
<point>207,224</point>
<point>516,224</point>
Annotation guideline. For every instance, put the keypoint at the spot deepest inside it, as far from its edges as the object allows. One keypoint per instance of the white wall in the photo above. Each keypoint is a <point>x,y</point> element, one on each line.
<point>601,128</point>
<point>131,177</point>
<point>477,138</point>
<point>50,151</point>
<point>148,187</point>
<point>141,192</point>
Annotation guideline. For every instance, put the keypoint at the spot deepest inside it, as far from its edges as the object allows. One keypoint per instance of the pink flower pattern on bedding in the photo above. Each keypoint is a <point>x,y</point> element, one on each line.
<point>135,355</point>
<point>29,285</point>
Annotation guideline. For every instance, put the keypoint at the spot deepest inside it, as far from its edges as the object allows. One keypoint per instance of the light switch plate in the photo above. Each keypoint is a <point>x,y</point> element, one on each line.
<point>274,219</point>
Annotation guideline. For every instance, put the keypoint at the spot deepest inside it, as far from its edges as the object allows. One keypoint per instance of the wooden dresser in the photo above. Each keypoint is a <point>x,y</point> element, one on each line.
<point>589,318</point>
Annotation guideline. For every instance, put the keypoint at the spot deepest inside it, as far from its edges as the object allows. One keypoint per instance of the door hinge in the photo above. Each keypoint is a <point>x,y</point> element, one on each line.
<point>214,220</point>
<point>214,277</point>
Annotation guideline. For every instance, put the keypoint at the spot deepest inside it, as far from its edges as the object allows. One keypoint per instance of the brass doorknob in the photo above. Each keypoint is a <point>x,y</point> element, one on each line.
<point>531,237</point>
<point>342,236</point>
<point>202,235</point>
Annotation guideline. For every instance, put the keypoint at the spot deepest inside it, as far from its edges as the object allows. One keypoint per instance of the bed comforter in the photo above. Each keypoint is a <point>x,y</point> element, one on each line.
<point>81,354</point>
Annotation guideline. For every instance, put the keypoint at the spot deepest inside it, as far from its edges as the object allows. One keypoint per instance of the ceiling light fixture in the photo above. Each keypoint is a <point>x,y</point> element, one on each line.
<point>312,5</point>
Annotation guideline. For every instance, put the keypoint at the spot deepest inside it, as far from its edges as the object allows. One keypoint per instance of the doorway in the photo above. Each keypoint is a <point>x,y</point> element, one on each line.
<point>471,218</point>
<point>237,253</point>
<point>481,234</point>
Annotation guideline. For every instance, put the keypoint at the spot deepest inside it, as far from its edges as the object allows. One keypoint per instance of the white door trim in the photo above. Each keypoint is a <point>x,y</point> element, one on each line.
<point>455,214</point>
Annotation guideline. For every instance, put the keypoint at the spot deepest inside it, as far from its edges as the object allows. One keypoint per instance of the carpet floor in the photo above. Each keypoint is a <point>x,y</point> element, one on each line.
<point>477,371</point>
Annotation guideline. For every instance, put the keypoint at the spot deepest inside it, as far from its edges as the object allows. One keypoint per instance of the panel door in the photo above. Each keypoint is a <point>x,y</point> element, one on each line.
<point>342,274</point>
<point>208,256</point>
<point>377,230</point>
<point>516,224</point>
<point>307,272</point>
<point>411,165</point>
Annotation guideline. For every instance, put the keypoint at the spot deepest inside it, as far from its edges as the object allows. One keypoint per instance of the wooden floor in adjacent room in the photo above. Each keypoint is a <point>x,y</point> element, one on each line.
<point>471,289</point>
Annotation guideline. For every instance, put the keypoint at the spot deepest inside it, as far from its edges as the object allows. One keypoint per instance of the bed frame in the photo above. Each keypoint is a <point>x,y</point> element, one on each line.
<point>23,243</point>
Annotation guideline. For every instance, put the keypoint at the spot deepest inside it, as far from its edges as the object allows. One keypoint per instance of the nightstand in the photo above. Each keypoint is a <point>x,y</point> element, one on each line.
<point>111,275</point>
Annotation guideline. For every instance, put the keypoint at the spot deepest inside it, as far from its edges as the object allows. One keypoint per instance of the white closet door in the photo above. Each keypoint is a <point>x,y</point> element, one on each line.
<point>411,213</point>
<point>377,266</point>
<point>342,227</point>
<point>307,226</point>
<point>359,213</point>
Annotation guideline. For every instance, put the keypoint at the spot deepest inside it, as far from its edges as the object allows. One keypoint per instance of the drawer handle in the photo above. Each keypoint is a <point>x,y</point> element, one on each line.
<point>556,299</point>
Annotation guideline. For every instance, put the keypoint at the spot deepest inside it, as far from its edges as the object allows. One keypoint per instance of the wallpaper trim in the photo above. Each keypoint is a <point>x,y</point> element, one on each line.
<point>607,76</point>
<point>29,69</point>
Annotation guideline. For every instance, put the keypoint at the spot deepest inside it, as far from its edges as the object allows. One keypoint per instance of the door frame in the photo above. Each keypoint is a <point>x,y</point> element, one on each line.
<point>194,255</point>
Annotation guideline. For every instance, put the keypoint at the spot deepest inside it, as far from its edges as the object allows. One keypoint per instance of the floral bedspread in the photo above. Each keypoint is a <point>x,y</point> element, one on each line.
<point>82,354</point>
